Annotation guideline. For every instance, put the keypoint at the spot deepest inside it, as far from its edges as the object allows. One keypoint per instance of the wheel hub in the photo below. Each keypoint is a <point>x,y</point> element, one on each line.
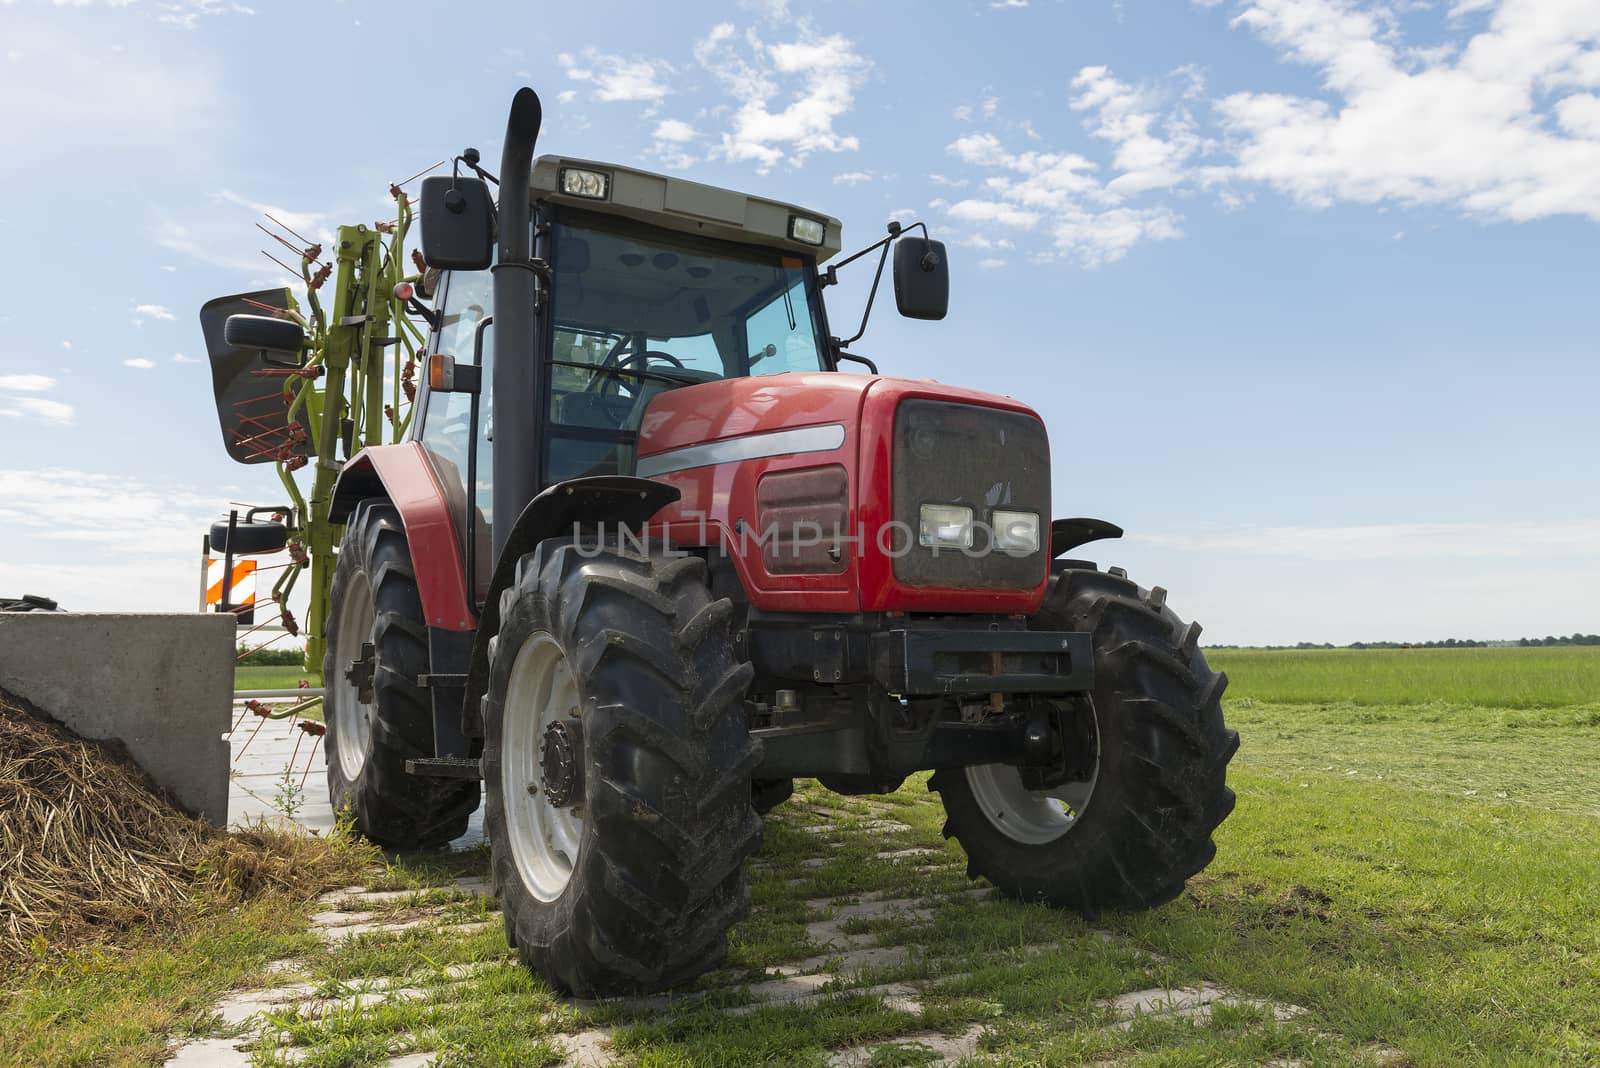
<point>561,763</point>
<point>361,672</point>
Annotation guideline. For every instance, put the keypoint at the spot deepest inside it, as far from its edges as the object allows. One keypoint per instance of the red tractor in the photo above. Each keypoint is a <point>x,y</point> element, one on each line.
<point>647,555</point>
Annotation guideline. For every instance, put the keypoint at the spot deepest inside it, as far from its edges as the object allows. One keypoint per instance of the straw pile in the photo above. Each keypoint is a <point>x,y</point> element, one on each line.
<point>90,849</point>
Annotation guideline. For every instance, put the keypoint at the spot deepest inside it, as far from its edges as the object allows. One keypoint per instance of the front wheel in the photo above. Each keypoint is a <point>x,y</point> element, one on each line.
<point>378,715</point>
<point>617,761</point>
<point>1134,823</point>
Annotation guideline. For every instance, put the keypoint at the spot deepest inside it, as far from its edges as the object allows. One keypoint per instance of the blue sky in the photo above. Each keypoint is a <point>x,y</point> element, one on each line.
<point>1306,290</point>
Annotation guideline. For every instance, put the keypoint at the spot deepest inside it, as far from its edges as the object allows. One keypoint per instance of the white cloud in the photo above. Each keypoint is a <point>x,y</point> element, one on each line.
<point>674,130</point>
<point>789,93</point>
<point>1394,541</point>
<point>618,78</point>
<point>1086,217</point>
<point>153,311</point>
<point>66,344</point>
<point>986,212</point>
<point>139,362</point>
<point>1498,127</point>
<point>27,383</point>
<point>852,178</point>
<point>567,96</point>
<point>50,411</point>
<point>1003,4</point>
<point>1152,151</point>
<point>311,225</point>
<point>990,263</point>
<point>186,13</point>
<point>179,357</point>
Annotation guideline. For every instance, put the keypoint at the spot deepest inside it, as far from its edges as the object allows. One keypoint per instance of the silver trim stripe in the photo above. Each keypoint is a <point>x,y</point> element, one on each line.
<point>747,447</point>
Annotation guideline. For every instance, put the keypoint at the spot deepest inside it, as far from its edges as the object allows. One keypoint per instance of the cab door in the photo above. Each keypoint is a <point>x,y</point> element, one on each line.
<point>457,428</point>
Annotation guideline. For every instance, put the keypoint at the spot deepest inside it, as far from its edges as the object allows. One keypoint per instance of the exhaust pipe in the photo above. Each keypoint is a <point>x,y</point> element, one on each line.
<point>518,376</point>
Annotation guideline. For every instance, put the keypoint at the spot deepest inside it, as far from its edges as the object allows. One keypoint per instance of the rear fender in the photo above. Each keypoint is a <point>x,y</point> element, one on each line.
<point>402,475</point>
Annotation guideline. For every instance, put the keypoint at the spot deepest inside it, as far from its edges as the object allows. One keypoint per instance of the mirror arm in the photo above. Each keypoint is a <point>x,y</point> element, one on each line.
<point>840,355</point>
<point>428,315</point>
<point>872,295</point>
<point>830,276</point>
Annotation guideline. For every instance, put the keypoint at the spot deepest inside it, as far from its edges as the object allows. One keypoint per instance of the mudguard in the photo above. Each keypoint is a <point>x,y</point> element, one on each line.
<point>402,474</point>
<point>613,500</point>
<point>1068,534</point>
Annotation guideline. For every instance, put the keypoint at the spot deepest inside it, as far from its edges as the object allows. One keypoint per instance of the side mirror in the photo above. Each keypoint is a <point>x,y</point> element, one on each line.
<point>249,537</point>
<point>264,332</point>
<point>921,278</point>
<point>457,223</point>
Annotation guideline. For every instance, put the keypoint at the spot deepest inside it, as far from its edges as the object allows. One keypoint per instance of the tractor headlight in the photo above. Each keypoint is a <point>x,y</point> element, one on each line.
<point>946,526</point>
<point>1016,532</point>
<point>808,230</point>
<point>577,182</point>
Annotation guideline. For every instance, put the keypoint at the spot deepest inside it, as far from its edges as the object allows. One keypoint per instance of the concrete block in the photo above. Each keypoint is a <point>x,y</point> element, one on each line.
<point>162,685</point>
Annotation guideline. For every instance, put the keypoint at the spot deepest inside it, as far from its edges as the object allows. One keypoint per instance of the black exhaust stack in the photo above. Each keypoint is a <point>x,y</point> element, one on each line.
<point>519,378</point>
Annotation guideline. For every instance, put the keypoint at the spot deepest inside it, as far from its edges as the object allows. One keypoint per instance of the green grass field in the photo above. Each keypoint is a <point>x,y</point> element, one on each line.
<point>246,677</point>
<point>1414,860</point>
<point>1502,677</point>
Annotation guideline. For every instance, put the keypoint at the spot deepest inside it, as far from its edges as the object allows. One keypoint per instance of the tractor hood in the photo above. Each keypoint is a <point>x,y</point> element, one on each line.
<point>852,459</point>
<point>764,404</point>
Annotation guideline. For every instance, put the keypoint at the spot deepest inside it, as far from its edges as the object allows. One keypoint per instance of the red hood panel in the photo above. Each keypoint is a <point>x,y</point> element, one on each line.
<point>734,406</point>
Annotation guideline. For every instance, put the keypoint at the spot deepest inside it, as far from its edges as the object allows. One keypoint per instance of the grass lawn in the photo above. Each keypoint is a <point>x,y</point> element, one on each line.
<point>1503,677</point>
<point>246,677</point>
<point>1418,874</point>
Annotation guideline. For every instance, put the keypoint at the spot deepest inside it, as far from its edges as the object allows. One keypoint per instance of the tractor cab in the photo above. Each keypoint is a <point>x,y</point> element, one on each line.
<point>645,284</point>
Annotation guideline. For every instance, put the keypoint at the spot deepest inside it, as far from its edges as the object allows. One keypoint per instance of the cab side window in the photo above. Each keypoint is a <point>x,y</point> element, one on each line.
<point>446,427</point>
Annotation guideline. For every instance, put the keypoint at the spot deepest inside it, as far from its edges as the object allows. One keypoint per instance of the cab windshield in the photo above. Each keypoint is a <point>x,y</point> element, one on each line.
<point>635,314</point>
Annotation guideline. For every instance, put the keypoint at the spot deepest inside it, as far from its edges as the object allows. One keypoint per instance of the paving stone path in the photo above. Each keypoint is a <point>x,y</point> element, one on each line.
<point>845,945</point>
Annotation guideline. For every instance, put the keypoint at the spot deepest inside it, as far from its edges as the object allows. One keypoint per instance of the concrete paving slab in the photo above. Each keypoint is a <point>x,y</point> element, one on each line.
<point>255,790</point>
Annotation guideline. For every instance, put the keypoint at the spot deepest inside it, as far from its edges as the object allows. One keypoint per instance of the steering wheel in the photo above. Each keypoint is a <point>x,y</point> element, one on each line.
<point>597,384</point>
<point>635,357</point>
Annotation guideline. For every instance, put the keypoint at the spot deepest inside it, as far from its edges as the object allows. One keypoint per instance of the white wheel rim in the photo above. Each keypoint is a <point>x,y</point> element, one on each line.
<point>352,717</point>
<point>1032,817</point>
<point>544,839</point>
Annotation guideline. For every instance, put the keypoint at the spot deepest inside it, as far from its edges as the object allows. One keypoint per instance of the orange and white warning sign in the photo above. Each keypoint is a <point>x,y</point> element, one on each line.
<point>242,592</point>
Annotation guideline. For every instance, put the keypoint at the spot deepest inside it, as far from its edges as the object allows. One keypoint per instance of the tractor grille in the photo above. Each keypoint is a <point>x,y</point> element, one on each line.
<point>946,453</point>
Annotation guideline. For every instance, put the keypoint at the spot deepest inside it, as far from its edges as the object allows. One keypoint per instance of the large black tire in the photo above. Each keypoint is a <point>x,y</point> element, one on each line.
<point>666,817</point>
<point>1159,788</point>
<point>392,807</point>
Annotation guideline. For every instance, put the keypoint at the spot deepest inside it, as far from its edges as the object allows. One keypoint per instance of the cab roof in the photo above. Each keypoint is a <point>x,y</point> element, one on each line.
<point>685,206</point>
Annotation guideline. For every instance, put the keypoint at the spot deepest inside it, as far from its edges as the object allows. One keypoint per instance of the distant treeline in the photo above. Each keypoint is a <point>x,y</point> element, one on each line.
<point>1448,643</point>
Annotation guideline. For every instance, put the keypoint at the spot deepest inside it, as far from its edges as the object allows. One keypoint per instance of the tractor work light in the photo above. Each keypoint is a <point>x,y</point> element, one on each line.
<point>808,231</point>
<point>592,185</point>
<point>946,526</point>
<point>1016,532</point>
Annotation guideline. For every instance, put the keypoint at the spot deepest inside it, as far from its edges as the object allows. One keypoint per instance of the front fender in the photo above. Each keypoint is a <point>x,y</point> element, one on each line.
<point>615,500</point>
<point>402,475</point>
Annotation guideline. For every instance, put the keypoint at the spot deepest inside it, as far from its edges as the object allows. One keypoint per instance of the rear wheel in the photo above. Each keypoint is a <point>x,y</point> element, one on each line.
<point>1136,822</point>
<point>377,715</point>
<point>617,763</point>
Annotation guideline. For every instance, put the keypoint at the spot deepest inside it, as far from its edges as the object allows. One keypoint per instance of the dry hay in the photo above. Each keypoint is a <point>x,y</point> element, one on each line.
<point>89,848</point>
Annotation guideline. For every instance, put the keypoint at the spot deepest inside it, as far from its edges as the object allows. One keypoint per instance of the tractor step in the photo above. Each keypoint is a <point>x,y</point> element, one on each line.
<point>445,767</point>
